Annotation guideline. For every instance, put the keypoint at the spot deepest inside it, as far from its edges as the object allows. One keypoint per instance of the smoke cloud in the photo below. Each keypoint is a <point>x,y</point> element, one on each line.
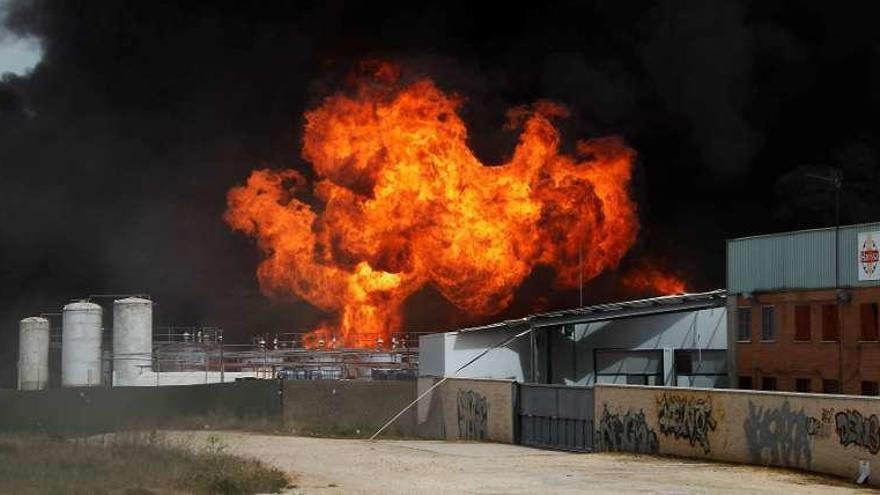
<point>118,148</point>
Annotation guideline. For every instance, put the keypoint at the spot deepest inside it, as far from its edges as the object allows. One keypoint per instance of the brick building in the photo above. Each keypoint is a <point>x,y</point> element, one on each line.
<point>803,311</point>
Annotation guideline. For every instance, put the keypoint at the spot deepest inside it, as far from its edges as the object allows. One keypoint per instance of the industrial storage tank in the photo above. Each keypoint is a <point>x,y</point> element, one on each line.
<point>81,344</point>
<point>132,339</point>
<point>33,353</point>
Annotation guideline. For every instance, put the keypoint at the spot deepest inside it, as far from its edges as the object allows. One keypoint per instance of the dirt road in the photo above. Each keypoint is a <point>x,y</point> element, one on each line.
<point>330,466</point>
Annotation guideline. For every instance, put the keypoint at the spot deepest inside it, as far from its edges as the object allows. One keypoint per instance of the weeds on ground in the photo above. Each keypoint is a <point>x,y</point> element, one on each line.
<point>132,463</point>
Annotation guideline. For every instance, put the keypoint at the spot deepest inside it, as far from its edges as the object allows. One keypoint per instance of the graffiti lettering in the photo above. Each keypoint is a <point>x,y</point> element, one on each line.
<point>686,418</point>
<point>778,436</point>
<point>828,415</point>
<point>855,429</point>
<point>627,433</point>
<point>814,426</point>
<point>473,409</point>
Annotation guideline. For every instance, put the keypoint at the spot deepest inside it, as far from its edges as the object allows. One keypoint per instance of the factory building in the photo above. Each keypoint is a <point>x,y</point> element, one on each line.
<point>803,309</point>
<point>676,340</point>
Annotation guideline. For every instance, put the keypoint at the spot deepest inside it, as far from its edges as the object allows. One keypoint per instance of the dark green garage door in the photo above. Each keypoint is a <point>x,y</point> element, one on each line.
<point>556,417</point>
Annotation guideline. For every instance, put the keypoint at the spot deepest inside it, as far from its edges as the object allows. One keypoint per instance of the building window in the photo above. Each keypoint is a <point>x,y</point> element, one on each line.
<point>744,324</point>
<point>870,388</point>
<point>830,386</point>
<point>636,380</point>
<point>829,322</point>
<point>684,365</point>
<point>745,382</point>
<point>802,385</point>
<point>768,323</point>
<point>868,313</point>
<point>802,322</point>
<point>768,383</point>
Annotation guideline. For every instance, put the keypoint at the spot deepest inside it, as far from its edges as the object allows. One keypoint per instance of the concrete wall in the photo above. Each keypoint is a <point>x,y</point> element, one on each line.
<point>823,433</point>
<point>101,409</point>
<point>468,409</point>
<point>348,408</point>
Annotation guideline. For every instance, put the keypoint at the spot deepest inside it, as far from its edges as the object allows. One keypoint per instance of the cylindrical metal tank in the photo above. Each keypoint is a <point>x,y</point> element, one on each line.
<point>81,344</point>
<point>33,353</point>
<point>132,339</point>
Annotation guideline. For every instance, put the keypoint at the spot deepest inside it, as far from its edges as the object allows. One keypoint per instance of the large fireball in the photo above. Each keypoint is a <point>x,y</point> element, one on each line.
<point>400,201</point>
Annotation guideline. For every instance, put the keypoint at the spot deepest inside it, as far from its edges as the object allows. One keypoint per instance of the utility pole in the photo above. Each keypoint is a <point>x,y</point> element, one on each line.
<point>836,181</point>
<point>581,277</point>
<point>222,367</point>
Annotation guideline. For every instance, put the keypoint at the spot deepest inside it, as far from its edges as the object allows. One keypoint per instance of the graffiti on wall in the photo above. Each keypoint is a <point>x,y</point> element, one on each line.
<point>473,409</point>
<point>855,429</point>
<point>821,428</point>
<point>778,436</point>
<point>686,417</point>
<point>627,432</point>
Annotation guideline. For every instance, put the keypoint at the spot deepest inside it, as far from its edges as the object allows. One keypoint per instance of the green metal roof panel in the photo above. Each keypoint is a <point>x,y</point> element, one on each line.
<point>796,260</point>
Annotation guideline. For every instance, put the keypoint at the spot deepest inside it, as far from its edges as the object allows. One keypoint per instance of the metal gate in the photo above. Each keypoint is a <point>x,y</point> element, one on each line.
<point>556,417</point>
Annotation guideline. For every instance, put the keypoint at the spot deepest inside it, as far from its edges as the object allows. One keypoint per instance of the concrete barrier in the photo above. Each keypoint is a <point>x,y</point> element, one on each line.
<point>348,408</point>
<point>101,409</point>
<point>831,434</point>
<point>468,409</point>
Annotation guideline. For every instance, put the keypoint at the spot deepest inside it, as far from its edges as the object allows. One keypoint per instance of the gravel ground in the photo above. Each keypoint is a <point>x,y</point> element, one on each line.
<point>331,466</point>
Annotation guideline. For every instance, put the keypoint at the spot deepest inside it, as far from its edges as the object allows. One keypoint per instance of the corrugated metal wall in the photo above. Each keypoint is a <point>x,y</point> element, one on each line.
<point>795,260</point>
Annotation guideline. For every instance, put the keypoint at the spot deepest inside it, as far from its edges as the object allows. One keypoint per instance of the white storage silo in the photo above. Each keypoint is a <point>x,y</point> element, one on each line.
<point>132,339</point>
<point>33,353</point>
<point>81,344</point>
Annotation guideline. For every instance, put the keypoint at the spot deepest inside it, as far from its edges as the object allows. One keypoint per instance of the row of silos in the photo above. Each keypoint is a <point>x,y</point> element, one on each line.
<point>81,337</point>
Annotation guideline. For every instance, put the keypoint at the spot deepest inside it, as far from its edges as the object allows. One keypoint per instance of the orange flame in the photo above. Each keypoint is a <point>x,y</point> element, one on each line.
<point>404,203</point>
<point>650,279</point>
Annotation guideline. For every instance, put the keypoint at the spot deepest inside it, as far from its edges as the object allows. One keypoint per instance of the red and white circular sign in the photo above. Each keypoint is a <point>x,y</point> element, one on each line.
<point>869,257</point>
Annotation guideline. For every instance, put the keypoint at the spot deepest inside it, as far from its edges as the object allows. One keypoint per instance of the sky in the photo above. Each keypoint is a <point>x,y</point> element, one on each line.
<point>118,147</point>
<point>18,54</point>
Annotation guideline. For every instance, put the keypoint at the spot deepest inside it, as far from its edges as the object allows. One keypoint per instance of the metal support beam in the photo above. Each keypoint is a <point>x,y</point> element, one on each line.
<point>533,354</point>
<point>553,321</point>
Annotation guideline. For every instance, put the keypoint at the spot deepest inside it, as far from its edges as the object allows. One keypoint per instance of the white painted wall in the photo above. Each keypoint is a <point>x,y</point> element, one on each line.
<point>573,363</point>
<point>441,354</point>
<point>706,328</point>
<point>150,379</point>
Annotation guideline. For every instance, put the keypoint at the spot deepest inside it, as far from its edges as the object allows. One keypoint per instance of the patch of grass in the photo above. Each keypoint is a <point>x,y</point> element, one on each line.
<point>135,463</point>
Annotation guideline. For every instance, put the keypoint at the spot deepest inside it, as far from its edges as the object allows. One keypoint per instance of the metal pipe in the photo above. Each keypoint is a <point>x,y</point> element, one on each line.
<point>113,296</point>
